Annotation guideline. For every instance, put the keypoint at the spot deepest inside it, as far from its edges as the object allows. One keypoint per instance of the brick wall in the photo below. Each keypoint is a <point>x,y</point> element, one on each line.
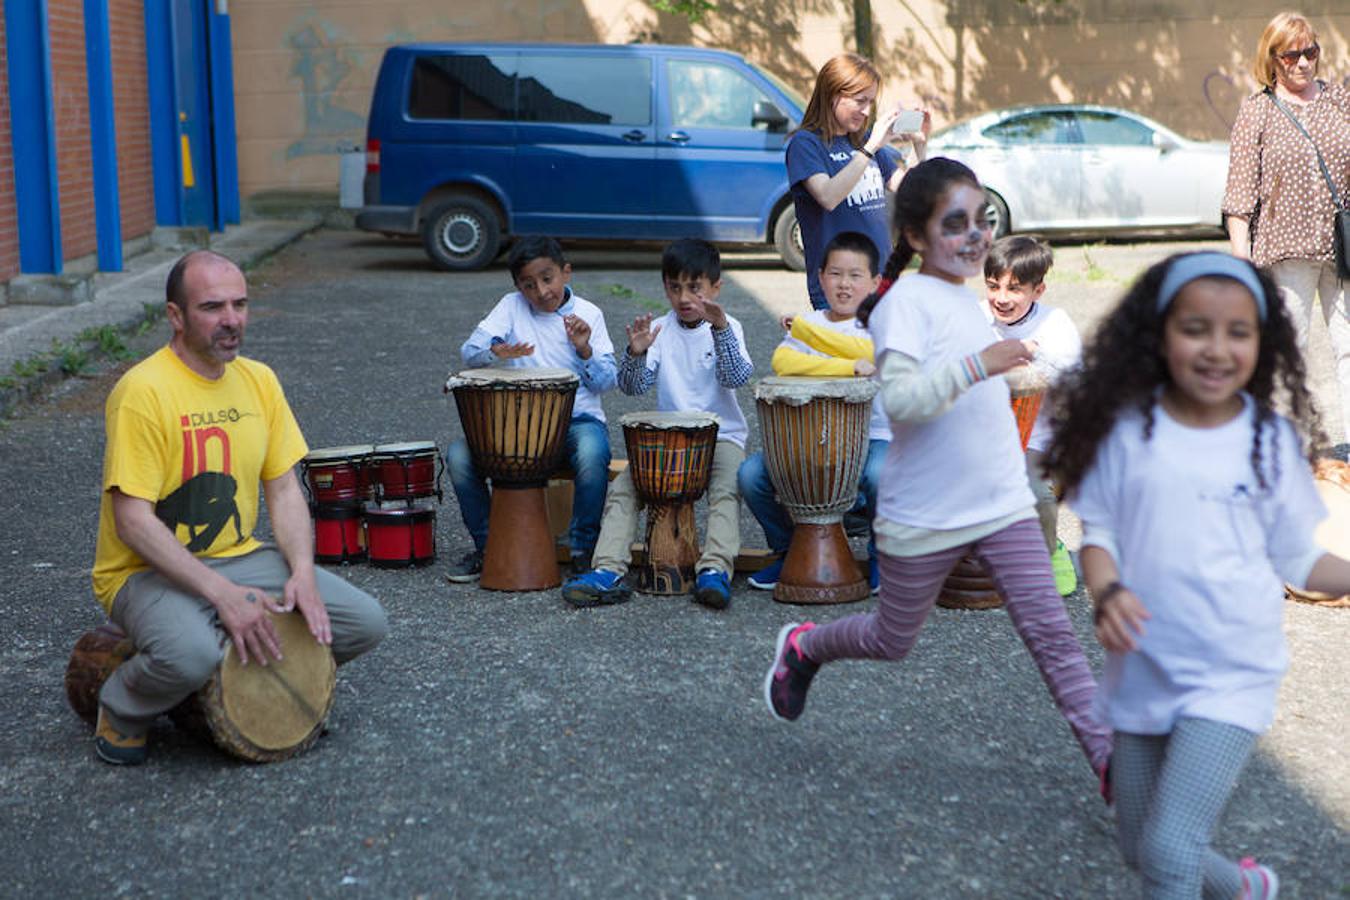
<point>131,107</point>
<point>70,109</point>
<point>9,225</point>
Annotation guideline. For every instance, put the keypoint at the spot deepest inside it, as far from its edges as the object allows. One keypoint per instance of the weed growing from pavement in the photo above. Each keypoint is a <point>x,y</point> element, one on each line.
<point>625,292</point>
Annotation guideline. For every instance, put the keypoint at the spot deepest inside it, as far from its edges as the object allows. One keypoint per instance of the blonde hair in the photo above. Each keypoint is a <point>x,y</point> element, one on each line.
<point>1283,30</point>
<point>847,73</point>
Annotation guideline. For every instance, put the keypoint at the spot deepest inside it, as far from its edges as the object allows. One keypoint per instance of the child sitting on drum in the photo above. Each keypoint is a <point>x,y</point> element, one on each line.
<point>542,323</point>
<point>1014,281</point>
<point>695,356</point>
<point>954,479</point>
<point>825,342</point>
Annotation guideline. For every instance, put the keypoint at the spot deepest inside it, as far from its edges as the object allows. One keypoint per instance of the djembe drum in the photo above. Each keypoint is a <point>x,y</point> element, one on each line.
<point>670,458</point>
<point>1333,535</point>
<point>969,586</point>
<point>256,713</point>
<point>515,422</point>
<point>815,444</point>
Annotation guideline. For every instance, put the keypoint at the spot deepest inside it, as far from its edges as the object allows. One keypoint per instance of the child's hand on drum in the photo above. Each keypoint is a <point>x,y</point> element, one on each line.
<point>641,334</point>
<point>864,368</point>
<point>579,333</point>
<point>1005,355</point>
<point>512,351</point>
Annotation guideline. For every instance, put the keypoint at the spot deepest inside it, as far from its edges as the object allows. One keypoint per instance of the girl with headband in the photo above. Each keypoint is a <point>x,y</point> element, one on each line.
<point>1197,503</point>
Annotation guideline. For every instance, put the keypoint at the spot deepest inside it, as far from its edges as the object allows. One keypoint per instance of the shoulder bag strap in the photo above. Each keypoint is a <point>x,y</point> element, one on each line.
<point>1335,197</point>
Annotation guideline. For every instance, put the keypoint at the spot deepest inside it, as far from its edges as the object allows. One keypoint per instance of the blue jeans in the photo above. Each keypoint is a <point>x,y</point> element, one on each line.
<point>586,451</point>
<point>757,490</point>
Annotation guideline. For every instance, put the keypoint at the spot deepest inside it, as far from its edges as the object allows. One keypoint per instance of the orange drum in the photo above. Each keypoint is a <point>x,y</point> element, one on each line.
<point>1027,384</point>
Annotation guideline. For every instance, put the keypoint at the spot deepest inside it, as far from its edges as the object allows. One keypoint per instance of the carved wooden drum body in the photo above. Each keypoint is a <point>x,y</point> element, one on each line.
<point>815,445</point>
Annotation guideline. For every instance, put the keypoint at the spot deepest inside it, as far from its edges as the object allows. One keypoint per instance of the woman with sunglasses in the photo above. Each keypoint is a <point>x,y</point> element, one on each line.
<point>1278,209</point>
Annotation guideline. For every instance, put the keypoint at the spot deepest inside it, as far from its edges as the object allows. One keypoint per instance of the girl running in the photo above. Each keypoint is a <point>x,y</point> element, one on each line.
<point>1197,502</point>
<point>954,478</point>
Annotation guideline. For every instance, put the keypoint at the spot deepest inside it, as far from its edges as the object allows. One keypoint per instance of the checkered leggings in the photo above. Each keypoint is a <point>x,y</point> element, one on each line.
<point>1019,563</point>
<point>1170,790</point>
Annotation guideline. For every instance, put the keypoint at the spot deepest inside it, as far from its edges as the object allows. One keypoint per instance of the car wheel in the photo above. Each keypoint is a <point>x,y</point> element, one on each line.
<point>999,209</point>
<point>461,233</point>
<point>787,237</point>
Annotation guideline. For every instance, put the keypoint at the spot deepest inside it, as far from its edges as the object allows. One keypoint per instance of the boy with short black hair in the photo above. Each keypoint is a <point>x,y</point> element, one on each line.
<point>1014,280</point>
<point>542,323</point>
<point>695,356</point>
<point>824,343</point>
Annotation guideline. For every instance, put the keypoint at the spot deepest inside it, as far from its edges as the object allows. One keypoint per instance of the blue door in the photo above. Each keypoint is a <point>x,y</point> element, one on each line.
<point>192,86</point>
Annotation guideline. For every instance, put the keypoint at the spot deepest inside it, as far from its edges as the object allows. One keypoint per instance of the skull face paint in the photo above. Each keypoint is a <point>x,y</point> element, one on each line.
<point>956,238</point>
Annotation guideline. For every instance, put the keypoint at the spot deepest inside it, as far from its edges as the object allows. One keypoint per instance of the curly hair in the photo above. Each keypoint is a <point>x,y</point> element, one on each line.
<point>915,201</point>
<point>1123,366</point>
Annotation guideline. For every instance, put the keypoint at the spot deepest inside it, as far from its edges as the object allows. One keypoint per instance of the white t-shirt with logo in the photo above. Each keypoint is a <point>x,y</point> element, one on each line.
<point>966,466</point>
<point>685,363</point>
<point>1058,349</point>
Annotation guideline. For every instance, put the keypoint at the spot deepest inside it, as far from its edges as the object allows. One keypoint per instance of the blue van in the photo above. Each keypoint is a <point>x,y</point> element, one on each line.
<point>468,144</point>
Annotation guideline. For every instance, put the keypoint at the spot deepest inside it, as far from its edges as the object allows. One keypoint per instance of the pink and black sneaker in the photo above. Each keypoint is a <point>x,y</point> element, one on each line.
<point>1258,882</point>
<point>789,677</point>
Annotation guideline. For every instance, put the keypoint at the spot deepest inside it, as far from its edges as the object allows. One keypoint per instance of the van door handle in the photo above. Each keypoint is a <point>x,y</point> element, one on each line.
<point>678,137</point>
<point>636,135</point>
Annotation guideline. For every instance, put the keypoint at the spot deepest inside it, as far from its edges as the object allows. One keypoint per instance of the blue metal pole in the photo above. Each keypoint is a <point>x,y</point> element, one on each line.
<point>163,98</point>
<point>103,135</point>
<point>224,141</point>
<point>33,136</point>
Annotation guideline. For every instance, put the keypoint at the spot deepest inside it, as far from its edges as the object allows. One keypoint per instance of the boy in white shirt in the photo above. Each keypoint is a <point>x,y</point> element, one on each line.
<point>1014,281</point>
<point>695,356</point>
<point>542,324</point>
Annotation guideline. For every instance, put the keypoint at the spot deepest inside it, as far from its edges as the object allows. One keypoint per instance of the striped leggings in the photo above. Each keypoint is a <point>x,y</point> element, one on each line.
<point>1020,565</point>
<point>1170,790</point>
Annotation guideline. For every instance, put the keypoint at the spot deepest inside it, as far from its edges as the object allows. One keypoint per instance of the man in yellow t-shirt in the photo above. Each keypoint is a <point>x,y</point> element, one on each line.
<point>192,432</point>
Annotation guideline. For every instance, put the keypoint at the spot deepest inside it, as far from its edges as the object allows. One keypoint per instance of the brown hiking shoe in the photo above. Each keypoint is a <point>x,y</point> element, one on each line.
<point>117,747</point>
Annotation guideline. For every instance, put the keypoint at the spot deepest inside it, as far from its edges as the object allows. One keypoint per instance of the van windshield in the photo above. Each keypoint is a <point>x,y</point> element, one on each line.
<point>786,88</point>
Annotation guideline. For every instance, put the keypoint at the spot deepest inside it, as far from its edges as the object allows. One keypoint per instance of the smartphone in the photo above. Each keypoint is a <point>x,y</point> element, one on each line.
<point>909,120</point>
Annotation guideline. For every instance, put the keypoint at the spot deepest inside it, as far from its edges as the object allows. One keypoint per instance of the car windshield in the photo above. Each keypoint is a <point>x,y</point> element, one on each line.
<point>784,87</point>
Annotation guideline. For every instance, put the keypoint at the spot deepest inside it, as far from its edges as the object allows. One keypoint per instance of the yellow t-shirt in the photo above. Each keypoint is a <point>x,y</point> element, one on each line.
<point>197,449</point>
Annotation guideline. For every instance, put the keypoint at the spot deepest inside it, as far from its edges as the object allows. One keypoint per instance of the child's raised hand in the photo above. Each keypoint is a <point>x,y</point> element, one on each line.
<point>1005,355</point>
<point>864,368</point>
<point>579,333</point>
<point>786,322</point>
<point>715,314</point>
<point>512,351</point>
<point>641,334</point>
<point>1119,616</point>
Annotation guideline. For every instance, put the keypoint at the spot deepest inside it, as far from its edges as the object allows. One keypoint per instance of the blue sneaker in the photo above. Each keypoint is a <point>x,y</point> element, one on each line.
<point>873,574</point>
<point>766,579</point>
<point>712,589</point>
<point>597,587</point>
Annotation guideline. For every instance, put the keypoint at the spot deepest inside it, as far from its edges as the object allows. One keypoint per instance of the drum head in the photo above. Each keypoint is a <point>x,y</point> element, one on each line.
<point>517,377</point>
<point>278,706</point>
<point>1025,380</point>
<point>406,448</point>
<point>1333,483</point>
<point>669,420</point>
<point>798,391</point>
<point>326,454</point>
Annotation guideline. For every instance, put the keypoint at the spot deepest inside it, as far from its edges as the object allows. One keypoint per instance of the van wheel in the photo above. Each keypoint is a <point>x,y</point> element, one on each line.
<point>787,237</point>
<point>461,233</point>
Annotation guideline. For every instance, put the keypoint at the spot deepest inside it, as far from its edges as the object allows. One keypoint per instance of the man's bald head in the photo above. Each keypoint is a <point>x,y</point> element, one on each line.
<point>175,289</point>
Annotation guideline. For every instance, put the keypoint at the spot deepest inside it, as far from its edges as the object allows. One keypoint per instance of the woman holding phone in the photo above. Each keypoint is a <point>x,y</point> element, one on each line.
<point>840,164</point>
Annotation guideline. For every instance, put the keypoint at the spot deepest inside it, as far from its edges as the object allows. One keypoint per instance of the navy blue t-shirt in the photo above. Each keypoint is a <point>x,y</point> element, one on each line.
<point>864,209</point>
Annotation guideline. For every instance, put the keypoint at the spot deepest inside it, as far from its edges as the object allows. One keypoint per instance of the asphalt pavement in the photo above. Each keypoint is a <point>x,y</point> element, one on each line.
<point>508,745</point>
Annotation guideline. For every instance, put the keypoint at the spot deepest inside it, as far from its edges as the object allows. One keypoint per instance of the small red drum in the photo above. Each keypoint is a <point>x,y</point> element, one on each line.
<point>337,474</point>
<point>339,535</point>
<point>398,537</point>
<point>404,471</point>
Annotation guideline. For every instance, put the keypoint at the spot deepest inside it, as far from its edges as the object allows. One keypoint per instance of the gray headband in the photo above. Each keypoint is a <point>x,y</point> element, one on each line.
<point>1210,265</point>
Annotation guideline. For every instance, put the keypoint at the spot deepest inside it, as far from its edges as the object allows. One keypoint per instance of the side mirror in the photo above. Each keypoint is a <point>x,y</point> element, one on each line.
<point>1163,142</point>
<point>767,114</point>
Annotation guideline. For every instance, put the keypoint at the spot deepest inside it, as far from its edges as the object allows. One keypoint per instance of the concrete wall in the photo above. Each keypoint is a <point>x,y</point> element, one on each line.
<point>304,70</point>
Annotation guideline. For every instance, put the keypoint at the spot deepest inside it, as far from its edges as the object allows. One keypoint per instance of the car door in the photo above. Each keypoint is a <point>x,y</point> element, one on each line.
<point>718,170</point>
<point>1133,175</point>
<point>584,152</point>
<point>1034,161</point>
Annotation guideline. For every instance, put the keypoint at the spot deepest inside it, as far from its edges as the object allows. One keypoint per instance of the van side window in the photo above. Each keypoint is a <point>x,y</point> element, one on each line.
<point>608,90</point>
<point>707,95</point>
<point>462,87</point>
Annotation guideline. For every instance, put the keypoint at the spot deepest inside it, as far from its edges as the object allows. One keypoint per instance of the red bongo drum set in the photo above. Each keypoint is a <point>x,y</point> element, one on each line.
<point>373,502</point>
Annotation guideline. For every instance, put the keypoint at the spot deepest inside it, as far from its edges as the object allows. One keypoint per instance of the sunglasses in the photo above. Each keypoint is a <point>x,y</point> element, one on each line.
<point>1290,57</point>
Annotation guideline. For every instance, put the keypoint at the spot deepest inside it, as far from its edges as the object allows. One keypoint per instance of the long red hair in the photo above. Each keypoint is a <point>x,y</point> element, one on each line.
<point>847,73</point>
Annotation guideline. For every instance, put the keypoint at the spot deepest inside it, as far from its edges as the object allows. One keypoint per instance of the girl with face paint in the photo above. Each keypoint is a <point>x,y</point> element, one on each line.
<point>954,480</point>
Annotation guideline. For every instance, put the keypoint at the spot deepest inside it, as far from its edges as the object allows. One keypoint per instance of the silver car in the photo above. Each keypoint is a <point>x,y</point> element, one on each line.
<point>1075,168</point>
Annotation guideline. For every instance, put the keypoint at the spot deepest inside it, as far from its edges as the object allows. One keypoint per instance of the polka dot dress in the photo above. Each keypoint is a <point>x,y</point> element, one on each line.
<point>1272,168</point>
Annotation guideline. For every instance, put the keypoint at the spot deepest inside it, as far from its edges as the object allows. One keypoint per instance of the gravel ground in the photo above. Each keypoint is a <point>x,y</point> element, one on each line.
<point>508,745</point>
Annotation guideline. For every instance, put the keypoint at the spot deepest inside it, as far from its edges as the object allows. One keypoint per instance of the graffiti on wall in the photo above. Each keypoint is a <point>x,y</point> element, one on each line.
<point>322,61</point>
